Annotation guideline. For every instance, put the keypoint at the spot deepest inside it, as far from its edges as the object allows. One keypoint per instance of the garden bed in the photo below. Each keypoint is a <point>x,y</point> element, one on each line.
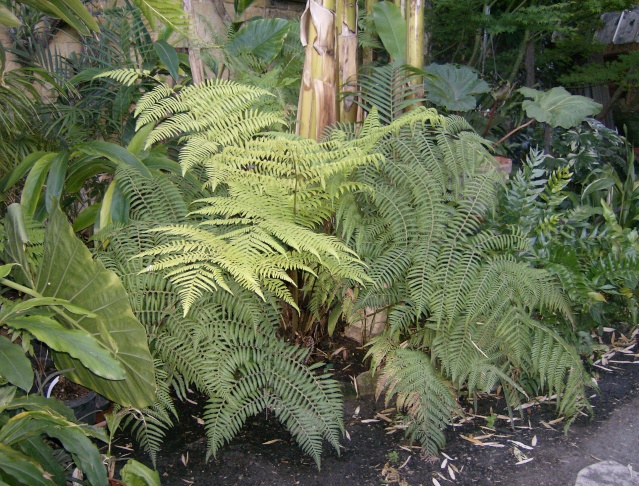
<point>263,453</point>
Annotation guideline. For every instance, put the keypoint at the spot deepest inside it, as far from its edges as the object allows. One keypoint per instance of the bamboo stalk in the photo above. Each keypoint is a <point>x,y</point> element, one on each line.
<point>317,106</point>
<point>367,52</point>
<point>347,57</point>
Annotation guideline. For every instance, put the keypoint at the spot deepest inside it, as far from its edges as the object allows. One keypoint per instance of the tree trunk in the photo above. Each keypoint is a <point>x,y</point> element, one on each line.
<point>530,63</point>
<point>195,59</point>
<point>520,57</point>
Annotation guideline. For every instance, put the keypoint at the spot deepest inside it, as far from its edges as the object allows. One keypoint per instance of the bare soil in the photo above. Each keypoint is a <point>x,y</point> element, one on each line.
<point>377,453</point>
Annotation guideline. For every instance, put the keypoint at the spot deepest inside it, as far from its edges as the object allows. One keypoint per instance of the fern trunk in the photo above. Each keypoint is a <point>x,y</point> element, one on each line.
<point>415,35</point>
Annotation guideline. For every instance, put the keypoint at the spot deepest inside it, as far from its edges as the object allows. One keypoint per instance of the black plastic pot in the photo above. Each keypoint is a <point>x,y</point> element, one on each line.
<point>87,406</point>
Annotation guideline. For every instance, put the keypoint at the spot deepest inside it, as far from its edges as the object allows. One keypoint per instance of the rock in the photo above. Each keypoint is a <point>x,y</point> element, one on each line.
<point>366,384</point>
<point>371,324</point>
<point>607,473</point>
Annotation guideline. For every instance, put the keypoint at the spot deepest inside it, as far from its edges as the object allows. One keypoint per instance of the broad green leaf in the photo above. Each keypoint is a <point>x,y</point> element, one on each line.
<point>87,217</point>
<point>170,14</point>
<point>22,468</point>
<point>84,452</point>
<point>6,270</point>
<point>37,403</point>
<point>6,396</point>
<point>453,87</point>
<point>137,474</point>
<point>72,437</point>
<point>20,170</point>
<point>168,56</point>
<point>8,18</point>
<point>68,272</point>
<point>33,185</point>
<point>39,450</point>
<point>114,153</point>
<point>391,28</point>
<point>136,145</point>
<point>558,107</point>
<point>24,306</point>
<point>16,237</point>
<point>14,365</point>
<point>76,342</point>
<point>263,38</point>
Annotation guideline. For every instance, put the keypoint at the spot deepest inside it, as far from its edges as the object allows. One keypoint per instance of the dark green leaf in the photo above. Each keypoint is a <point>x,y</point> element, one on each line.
<point>14,365</point>
<point>168,56</point>
<point>453,87</point>
<point>76,342</point>
<point>68,272</point>
<point>116,154</point>
<point>22,468</point>
<point>55,179</point>
<point>262,38</point>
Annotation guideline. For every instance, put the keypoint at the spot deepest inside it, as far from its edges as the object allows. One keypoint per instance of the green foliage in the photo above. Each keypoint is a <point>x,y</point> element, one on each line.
<point>558,107</point>
<point>588,242</point>
<point>391,28</point>
<point>463,311</point>
<point>225,344</point>
<point>388,89</point>
<point>453,87</point>
<point>29,425</point>
<point>104,346</point>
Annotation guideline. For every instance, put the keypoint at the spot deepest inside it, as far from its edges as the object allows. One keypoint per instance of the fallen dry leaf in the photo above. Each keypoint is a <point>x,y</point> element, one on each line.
<point>269,442</point>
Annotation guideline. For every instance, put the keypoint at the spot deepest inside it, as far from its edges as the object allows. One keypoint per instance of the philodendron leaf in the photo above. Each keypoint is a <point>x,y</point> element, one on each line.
<point>69,272</point>
<point>263,38</point>
<point>558,107</point>
<point>391,28</point>
<point>453,87</point>
<point>15,367</point>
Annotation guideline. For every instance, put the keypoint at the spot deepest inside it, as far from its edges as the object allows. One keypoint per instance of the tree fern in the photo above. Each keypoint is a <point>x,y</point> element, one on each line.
<point>225,345</point>
<point>463,307</point>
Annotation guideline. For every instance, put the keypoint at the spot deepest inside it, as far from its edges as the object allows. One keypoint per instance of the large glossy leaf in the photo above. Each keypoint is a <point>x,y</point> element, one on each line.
<point>33,185</point>
<point>391,28</point>
<point>14,365</point>
<point>68,272</point>
<point>24,469</point>
<point>16,238</point>
<point>453,87</point>
<point>262,38</point>
<point>558,107</point>
<point>77,343</point>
